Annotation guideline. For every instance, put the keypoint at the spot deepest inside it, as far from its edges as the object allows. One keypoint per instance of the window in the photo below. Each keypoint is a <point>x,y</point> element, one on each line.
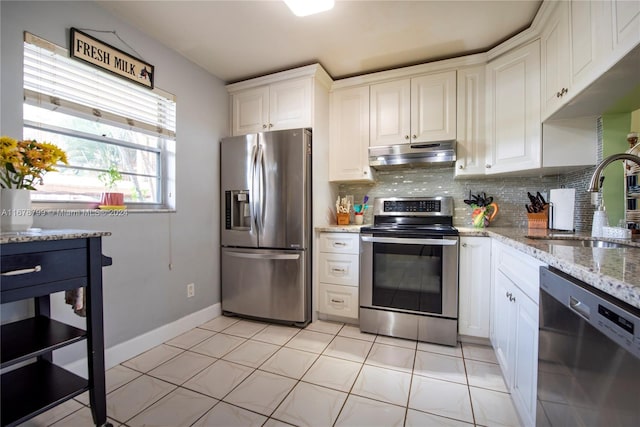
<point>102,122</point>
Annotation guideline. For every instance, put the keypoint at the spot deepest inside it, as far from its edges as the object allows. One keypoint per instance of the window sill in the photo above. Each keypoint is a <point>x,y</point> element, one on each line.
<point>82,209</point>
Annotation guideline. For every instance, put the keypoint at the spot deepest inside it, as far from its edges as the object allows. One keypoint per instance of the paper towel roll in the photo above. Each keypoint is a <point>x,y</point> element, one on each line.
<point>563,201</point>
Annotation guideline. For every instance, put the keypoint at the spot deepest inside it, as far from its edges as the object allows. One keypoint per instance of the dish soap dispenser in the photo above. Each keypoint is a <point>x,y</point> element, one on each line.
<point>600,220</point>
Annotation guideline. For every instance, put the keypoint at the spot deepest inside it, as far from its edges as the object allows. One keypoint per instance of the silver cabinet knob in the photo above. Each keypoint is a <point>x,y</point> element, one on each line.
<point>264,126</point>
<point>460,166</point>
<point>406,137</point>
<point>414,137</point>
<point>365,173</point>
<point>488,166</point>
<point>270,125</point>
<point>464,245</point>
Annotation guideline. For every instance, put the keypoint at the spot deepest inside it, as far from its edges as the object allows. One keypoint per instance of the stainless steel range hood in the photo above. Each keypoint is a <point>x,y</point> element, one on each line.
<point>413,155</point>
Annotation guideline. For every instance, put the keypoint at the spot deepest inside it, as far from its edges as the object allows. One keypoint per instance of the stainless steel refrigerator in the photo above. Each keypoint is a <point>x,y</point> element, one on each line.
<point>266,225</point>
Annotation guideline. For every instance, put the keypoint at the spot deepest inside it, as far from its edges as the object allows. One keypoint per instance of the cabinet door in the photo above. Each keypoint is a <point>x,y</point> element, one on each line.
<point>525,362</point>
<point>556,74</point>
<point>513,105</point>
<point>471,134</point>
<point>349,135</point>
<point>433,107</point>
<point>290,104</point>
<point>591,40</point>
<point>475,286</point>
<point>390,117</point>
<point>626,26</point>
<point>503,328</point>
<point>250,111</point>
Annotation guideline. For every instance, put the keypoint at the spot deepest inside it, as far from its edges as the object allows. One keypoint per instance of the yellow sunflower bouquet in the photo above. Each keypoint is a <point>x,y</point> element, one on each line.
<point>24,163</point>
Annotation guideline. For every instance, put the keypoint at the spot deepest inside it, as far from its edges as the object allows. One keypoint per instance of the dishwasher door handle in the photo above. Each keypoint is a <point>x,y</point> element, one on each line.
<point>580,308</point>
<point>410,241</point>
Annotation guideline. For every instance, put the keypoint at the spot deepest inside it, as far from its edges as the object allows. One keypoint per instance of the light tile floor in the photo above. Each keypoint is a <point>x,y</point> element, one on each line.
<point>234,372</point>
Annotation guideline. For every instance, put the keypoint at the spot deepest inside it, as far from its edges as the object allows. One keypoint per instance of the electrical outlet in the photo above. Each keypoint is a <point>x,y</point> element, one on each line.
<point>191,290</point>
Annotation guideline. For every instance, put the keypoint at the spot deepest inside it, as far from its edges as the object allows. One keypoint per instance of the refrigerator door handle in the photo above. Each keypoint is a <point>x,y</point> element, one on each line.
<point>263,256</point>
<point>260,167</point>
<point>253,199</point>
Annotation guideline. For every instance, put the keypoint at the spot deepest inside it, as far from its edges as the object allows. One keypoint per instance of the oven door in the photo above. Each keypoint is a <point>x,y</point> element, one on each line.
<point>413,274</point>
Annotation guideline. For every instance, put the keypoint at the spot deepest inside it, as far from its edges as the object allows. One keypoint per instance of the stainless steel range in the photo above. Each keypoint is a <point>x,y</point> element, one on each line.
<point>409,270</point>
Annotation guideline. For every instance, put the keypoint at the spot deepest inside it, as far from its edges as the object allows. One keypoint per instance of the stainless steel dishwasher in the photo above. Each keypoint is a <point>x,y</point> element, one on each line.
<point>589,356</point>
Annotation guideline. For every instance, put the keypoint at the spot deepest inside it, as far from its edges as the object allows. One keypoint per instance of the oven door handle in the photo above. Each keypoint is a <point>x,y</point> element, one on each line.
<point>410,241</point>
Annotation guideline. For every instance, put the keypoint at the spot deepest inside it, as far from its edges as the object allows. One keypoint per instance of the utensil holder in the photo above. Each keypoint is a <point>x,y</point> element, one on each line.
<point>343,218</point>
<point>538,219</point>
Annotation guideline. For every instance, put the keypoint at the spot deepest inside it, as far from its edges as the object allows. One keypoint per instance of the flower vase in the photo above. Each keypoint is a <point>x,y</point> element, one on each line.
<point>15,209</point>
<point>482,216</point>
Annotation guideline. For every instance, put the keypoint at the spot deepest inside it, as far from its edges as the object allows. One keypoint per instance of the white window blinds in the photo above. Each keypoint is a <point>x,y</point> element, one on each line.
<point>55,81</point>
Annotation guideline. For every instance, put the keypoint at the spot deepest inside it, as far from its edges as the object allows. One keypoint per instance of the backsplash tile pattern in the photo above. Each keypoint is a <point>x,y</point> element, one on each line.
<point>509,192</point>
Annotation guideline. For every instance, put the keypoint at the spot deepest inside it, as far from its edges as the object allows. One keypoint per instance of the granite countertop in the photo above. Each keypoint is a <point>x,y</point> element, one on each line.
<point>351,228</point>
<point>36,234</point>
<point>615,271</point>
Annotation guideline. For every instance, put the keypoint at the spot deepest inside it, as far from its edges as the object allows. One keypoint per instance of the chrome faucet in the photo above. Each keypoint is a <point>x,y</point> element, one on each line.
<point>594,185</point>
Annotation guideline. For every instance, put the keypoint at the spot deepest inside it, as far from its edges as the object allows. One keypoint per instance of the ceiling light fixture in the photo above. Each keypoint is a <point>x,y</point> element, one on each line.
<point>309,7</point>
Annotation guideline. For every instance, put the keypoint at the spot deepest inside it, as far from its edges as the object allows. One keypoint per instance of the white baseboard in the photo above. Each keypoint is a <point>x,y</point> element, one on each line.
<point>126,350</point>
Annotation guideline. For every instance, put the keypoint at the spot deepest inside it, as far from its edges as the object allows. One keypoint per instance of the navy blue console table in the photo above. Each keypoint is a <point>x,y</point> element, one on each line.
<point>33,266</point>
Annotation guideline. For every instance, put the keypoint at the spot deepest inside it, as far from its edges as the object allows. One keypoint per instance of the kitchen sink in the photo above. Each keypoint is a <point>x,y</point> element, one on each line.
<point>592,243</point>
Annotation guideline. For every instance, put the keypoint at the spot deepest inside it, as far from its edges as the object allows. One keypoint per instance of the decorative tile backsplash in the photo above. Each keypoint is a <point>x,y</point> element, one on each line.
<point>510,193</point>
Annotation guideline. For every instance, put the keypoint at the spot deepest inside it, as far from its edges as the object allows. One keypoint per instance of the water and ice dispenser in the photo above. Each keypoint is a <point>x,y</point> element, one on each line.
<point>237,210</point>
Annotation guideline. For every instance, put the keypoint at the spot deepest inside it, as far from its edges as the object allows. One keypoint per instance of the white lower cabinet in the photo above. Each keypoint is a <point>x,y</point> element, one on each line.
<point>474,286</point>
<point>338,273</point>
<point>514,330</point>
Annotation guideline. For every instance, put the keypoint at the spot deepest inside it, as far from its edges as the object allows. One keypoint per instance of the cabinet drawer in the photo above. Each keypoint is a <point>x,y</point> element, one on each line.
<point>339,269</point>
<point>338,300</point>
<point>522,269</point>
<point>35,268</point>
<point>344,243</point>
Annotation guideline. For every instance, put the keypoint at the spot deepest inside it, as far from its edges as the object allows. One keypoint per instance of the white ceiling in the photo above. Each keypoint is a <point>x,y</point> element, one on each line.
<point>236,40</point>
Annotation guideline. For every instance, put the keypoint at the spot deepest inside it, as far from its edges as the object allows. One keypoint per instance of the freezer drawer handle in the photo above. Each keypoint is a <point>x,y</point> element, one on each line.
<point>339,270</point>
<point>264,256</point>
<point>401,241</point>
<point>343,244</point>
<point>35,269</point>
<point>337,301</point>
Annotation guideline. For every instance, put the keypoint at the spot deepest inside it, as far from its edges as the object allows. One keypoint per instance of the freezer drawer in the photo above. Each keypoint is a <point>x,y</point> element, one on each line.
<point>268,284</point>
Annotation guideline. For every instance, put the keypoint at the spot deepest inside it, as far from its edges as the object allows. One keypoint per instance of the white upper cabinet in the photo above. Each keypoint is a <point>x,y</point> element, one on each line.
<point>513,109</point>
<point>626,25</point>
<point>250,110</point>
<point>471,134</point>
<point>420,109</point>
<point>281,105</point>
<point>591,40</point>
<point>433,107</point>
<point>349,135</point>
<point>390,120</point>
<point>556,67</point>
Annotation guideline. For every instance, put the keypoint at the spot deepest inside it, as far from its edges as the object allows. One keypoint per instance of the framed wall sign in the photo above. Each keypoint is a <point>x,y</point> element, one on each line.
<point>92,51</point>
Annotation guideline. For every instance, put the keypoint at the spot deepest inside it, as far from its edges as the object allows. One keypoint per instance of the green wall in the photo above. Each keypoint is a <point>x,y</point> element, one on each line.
<point>614,140</point>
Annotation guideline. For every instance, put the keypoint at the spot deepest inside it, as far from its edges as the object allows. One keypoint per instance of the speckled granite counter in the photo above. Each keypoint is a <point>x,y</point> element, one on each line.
<point>351,228</point>
<point>35,235</point>
<point>615,271</point>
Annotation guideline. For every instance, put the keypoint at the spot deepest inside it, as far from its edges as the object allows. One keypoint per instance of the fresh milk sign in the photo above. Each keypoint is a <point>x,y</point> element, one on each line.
<point>93,51</point>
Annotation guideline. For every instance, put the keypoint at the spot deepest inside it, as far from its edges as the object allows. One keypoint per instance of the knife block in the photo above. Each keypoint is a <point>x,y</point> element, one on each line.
<point>539,219</point>
<point>343,218</point>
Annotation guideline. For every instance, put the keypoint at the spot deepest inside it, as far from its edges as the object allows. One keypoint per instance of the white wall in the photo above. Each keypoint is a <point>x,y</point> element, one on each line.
<point>141,292</point>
